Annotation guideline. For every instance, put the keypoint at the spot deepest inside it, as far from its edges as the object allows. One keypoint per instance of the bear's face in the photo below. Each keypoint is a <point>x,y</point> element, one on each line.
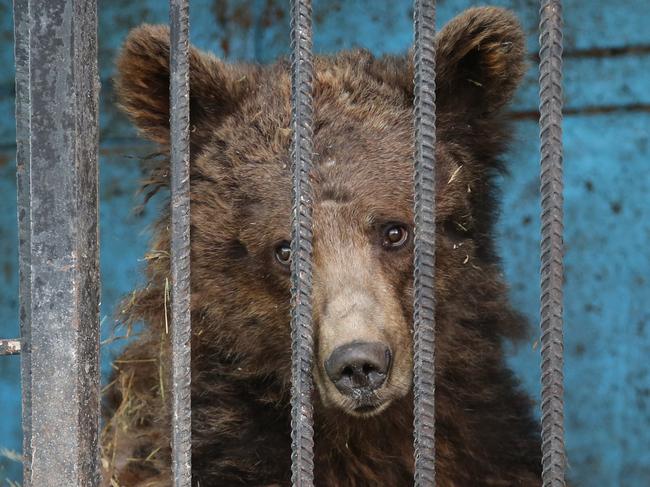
<point>362,200</point>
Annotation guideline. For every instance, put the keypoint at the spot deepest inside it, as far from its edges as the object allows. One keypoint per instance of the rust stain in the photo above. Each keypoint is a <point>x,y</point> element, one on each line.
<point>225,45</point>
<point>237,18</point>
<point>8,271</point>
<point>4,159</point>
<point>231,17</point>
<point>274,12</point>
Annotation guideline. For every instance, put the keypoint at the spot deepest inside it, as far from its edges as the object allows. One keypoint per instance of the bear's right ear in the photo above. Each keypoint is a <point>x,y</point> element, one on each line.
<point>142,85</point>
<point>480,61</point>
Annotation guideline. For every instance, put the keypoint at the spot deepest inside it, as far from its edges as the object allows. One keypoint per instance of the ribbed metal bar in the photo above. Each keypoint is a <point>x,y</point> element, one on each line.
<point>552,267</point>
<point>425,211</point>
<point>302,340</point>
<point>57,100</point>
<point>179,120</point>
<point>21,54</point>
<point>9,347</point>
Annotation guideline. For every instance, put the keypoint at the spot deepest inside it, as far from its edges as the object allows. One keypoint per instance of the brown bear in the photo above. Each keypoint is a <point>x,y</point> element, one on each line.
<point>363,271</point>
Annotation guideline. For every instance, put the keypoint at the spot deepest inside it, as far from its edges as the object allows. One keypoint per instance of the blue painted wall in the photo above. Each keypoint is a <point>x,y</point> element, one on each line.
<point>607,132</point>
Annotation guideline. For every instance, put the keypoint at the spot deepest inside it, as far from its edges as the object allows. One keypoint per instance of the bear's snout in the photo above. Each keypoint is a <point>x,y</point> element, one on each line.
<point>363,339</point>
<point>357,368</point>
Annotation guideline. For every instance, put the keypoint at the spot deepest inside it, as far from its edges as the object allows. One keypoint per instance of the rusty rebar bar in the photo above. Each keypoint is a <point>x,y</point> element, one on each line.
<point>181,333</point>
<point>552,268</point>
<point>302,340</point>
<point>424,59</point>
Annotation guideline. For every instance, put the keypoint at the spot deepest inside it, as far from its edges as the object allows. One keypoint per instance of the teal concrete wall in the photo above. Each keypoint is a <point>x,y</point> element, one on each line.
<point>607,132</point>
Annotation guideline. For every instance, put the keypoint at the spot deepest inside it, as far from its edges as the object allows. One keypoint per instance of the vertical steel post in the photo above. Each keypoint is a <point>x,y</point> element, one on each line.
<point>552,267</point>
<point>425,226</point>
<point>57,91</point>
<point>179,120</point>
<point>302,340</point>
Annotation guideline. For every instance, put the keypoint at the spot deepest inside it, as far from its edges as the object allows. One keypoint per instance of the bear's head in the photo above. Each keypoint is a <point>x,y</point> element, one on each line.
<point>362,206</point>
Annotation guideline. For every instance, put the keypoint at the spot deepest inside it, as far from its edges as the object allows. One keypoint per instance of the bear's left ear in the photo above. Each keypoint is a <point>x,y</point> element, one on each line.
<point>142,86</point>
<point>480,62</point>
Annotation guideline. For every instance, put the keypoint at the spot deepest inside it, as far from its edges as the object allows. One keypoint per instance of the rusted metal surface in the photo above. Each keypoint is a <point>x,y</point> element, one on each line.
<point>302,331</point>
<point>552,245</point>
<point>179,90</point>
<point>57,97</point>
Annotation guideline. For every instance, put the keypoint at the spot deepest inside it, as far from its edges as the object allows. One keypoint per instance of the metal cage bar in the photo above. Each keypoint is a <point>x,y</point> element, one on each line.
<point>302,340</point>
<point>552,247</point>
<point>424,63</point>
<point>179,120</point>
<point>57,90</point>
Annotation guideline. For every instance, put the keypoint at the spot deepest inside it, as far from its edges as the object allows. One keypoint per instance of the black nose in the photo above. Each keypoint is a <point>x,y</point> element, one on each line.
<point>358,367</point>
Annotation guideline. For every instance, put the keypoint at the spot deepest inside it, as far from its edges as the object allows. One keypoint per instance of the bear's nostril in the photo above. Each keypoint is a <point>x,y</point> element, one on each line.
<point>358,367</point>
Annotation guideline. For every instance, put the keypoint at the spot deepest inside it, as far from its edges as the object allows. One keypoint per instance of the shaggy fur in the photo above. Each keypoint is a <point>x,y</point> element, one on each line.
<point>241,206</point>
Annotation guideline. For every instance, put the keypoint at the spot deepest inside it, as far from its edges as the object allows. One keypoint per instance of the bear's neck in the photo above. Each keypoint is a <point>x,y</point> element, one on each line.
<point>376,450</point>
<point>483,429</point>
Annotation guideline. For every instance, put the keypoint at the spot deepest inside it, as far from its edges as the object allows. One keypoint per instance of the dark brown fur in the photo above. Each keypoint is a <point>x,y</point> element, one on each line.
<point>241,202</point>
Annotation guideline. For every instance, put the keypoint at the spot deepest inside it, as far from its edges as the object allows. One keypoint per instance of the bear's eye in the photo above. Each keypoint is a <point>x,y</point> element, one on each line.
<point>283,253</point>
<point>394,236</point>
